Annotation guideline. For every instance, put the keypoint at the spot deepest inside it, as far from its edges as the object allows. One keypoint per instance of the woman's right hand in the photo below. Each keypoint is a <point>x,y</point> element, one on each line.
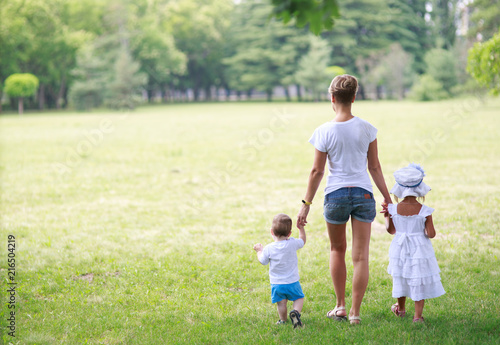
<point>302,216</point>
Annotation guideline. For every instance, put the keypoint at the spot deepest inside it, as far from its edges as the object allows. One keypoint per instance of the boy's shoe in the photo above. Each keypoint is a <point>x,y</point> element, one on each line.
<point>295,317</point>
<point>280,322</point>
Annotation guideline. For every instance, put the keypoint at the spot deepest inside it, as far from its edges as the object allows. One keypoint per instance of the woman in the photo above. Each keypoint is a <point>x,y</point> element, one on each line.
<point>350,144</point>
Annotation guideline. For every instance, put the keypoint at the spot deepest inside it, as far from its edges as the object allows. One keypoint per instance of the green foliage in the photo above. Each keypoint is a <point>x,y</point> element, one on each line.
<point>318,14</point>
<point>265,53</point>
<point>407,25</point>
<point>124,91</point>
<point>334,71</point>
<point>199,30</point>
<point>91,77</point>
<point>390,68</point>
<point>428,89</point>
<point>484,63</point>
<point>312,72</point>
<point>368,28</point>
<point>443,23</point>
<point>21,85</point>
<point>39,39</point>
<point>153,46</point>
<point>200,46</point>
<point>442,66</point>
<point>485,18</point>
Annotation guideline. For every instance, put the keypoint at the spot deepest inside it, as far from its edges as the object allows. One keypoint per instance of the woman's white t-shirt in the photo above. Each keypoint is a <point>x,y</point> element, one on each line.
<point>346,144</point>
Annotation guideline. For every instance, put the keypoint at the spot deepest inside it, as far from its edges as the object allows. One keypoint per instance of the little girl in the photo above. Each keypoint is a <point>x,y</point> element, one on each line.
<point>412,263</point>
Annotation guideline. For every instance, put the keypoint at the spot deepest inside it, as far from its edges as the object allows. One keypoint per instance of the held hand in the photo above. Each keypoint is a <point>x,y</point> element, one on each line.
<point>300,226</point>
<point>385,209</point>
<point>258,247</point>
<point>302,216</point>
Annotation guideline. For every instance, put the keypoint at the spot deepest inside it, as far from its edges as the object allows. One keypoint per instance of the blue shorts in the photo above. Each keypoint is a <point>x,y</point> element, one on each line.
<point>347,201</point>
<point>290,292</point>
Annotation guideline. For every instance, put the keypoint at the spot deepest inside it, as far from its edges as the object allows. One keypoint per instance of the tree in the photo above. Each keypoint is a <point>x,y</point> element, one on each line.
<point>366,29</point>
<point>199,31</point>
<point>312,72</point>
<point>318,14</point>
<point>91,76</point>
<point>443,19</point>
<point>396,73</point>
<point>21,85</point>
<point>441,65</point>
<point>484,63</point>
<point>125,88</point>
<point>265,53</point>
<point>485,18</point>
<point>153,46</point>
<point>409,28</point>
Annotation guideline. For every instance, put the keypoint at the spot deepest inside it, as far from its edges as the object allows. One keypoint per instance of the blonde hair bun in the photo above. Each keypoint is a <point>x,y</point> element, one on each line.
<point>344,88</point>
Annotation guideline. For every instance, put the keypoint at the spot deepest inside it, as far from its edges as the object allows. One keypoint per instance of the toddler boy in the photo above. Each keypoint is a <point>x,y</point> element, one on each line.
<point>283,269</point>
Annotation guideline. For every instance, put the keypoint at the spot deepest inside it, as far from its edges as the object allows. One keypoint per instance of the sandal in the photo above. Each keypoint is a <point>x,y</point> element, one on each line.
<point>332,314</point>
<point>396,311</point>
<point>355,320</point>
<point>280,322</point>
<point>295,317</point>
<point>419,320</point>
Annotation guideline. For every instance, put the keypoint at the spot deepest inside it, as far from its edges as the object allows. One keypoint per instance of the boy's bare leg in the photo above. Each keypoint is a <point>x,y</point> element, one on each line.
<point>419,308</point>
<point>297,304</point>
<point>282,309</point>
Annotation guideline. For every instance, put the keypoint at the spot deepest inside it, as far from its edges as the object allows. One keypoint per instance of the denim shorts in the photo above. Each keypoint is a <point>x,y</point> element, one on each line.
<point>349,201</point>
<point>289,292</point>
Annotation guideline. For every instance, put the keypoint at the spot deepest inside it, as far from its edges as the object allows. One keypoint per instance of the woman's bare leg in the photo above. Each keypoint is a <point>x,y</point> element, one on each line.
<point>338,246</point>
<point>361,233</point>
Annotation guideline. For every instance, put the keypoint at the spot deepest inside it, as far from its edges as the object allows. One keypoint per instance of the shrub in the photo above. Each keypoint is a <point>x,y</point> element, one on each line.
<point>20,85</point>
<point>428,89</point>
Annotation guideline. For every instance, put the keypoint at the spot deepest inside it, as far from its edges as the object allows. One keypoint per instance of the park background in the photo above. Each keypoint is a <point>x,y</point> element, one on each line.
<point>149,160</point>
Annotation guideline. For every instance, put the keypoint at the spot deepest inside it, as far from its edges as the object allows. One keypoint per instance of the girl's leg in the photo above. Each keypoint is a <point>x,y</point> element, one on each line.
<point>361,233</point>
<point>419,308</point>
<point>282,309</point>
<point>338,246</point>
<point>402,303</point>
<point>297,304</point>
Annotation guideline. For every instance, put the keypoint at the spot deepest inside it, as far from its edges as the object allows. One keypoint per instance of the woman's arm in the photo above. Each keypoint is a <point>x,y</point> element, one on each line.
<point>376,171</point>
<point>315,178</point>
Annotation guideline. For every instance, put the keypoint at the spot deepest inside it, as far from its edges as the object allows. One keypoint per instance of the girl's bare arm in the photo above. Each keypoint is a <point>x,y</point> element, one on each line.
<point>389,224</point>
<point>429,227</point>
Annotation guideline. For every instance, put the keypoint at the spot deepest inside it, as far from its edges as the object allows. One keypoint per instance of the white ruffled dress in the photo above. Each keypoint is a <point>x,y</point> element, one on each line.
<point>412,262</point>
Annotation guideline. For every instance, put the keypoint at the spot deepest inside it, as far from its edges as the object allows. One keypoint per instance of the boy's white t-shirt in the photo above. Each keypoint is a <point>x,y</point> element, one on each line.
<point>282,256</point>
<point>347,146</point>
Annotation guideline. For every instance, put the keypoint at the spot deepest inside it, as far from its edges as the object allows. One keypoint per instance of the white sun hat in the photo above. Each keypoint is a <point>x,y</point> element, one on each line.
<point>410,182</point>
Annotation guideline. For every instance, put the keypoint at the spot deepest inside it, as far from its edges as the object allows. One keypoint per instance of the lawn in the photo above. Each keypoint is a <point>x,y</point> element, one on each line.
<point>137,228</point>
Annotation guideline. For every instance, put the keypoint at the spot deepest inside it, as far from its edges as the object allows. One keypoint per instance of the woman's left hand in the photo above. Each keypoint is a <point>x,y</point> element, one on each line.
<point>302,216</point>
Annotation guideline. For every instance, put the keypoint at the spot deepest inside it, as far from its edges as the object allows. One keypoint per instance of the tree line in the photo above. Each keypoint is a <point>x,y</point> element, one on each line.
<point>89,53</point>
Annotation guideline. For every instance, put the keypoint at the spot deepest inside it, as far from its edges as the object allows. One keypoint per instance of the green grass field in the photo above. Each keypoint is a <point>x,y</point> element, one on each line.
<point>138,228</point>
